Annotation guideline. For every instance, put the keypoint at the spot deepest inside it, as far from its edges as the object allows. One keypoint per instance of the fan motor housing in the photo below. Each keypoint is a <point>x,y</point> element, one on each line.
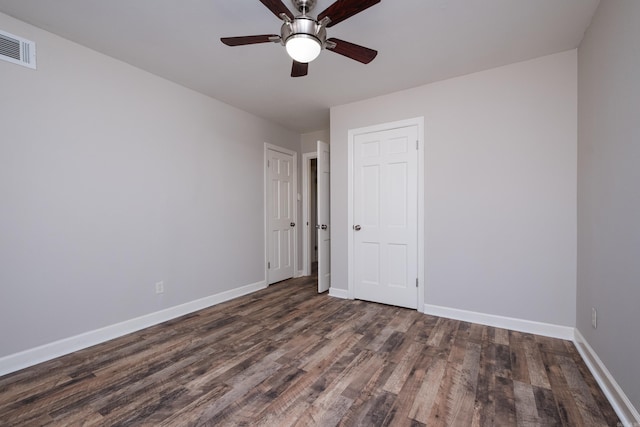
<point>305,26</point>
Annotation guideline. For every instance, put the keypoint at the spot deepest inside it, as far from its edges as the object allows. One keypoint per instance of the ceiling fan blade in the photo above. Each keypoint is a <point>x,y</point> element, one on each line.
<point>299,69</point>
<point>241,41</point>
<point>353,51</point>
<point>277,7</point>
<point>345,9</point>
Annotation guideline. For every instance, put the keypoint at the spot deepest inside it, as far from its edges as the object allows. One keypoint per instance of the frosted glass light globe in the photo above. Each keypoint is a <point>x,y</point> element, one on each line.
<point>303,48</point>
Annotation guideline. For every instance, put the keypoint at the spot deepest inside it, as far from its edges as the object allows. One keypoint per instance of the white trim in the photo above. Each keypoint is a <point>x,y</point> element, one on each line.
<point>616,396</point>
<point>352,133</point>
<point>299,273</point>
<point>294,154</point>
<point>351,294</point>
<point>528,326</point>
<point>43,353</point>
<point>306,214</point>
<point>421,207</point>
<point>265,214</point>
<point>339,293</point>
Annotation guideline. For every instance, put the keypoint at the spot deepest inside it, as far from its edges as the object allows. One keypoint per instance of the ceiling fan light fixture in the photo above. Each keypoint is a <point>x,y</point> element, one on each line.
<point>305,37</point>
<point>303,48</point>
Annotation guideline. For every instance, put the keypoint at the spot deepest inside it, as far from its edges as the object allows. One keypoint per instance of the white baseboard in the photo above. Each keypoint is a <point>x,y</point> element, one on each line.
<point>24,359</point>
<point>625,410</point>
<point>528,326</point>
<point>339,293</point>
<point>300,273</point>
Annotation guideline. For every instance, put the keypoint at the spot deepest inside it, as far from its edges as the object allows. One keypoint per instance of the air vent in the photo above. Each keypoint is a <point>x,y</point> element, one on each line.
<point>17,50</point>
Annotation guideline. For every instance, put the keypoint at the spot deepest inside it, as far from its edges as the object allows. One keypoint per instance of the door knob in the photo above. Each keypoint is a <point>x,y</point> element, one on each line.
<point>293,224</point>
<point>317,226</point>
<point>324,227</point>
<point>357,227</point>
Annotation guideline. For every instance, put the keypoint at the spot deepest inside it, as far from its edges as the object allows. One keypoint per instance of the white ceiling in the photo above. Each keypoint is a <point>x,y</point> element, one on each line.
<point>419,41</point>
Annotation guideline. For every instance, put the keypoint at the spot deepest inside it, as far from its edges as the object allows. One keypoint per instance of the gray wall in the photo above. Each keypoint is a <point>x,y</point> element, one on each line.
<point>609,190</point>
<point>500,187</point>
<point>112,179</point>
<point>309,141</point>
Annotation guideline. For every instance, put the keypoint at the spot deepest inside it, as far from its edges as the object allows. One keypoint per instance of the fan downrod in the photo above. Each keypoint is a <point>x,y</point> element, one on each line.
<point>304,6</point>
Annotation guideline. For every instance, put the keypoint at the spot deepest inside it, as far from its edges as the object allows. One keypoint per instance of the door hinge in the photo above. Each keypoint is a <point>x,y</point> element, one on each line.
<point>416,282</point>
<point>417,145</point>
<point>269,265</point>
<point>268,163</point>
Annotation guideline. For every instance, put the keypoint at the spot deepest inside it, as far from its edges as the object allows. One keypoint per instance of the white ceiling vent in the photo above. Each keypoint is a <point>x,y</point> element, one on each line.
<point>17,50</point>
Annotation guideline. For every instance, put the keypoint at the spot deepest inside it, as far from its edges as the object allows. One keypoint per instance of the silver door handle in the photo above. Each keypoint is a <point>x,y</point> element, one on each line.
<point>324,227</point>
<point>293,224</point>
<point>357,227</point>
<point>317,226</point>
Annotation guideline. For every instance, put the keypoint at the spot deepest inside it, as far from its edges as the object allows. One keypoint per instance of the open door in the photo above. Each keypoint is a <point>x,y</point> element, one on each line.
<point>324,220</point>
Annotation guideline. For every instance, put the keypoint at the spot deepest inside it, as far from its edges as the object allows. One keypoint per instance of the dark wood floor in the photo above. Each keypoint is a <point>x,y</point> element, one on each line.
<point>287,356</point>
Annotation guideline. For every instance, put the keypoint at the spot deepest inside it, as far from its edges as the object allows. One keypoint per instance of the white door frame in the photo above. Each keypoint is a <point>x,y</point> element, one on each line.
<point>265,204</point>
<point>306,211</point>
<point>419,122</point>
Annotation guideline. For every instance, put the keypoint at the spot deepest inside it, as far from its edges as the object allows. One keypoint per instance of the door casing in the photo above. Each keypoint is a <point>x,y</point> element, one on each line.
<point>419,122</point>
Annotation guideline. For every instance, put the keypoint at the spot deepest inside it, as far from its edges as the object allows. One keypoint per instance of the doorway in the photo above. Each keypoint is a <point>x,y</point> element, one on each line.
<point>316,215</point>
<point>310,213</point>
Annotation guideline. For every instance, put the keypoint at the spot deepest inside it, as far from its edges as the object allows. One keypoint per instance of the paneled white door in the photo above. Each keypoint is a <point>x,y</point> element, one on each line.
<point>385,208</point>
<point>324,220</point>
<point>281,216</point>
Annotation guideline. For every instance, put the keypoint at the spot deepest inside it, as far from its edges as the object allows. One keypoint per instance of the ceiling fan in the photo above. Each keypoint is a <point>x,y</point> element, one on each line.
<point>305,37</point>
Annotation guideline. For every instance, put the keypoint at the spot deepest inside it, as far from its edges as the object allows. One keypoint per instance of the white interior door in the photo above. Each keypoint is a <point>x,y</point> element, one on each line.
<point>281,215</point>
<point>385,208</point>
<point>324,220</point>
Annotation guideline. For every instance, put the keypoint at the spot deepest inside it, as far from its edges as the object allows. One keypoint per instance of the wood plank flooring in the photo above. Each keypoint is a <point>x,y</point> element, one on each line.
<point>286,356</point>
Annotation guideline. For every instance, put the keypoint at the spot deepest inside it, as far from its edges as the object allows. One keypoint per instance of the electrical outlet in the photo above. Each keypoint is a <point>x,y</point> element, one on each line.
<point>159,287</point>
<point>594,317</point>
